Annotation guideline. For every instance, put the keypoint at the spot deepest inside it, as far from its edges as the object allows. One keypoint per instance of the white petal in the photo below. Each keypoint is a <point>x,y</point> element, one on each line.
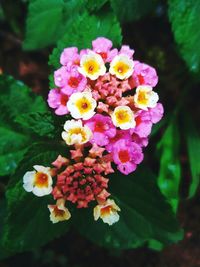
<point>42,191</point>
<point>29,176</point>
<point>72,124</point>
<point>43,169</point>
<point>111,219</point>
<point>28,187</point>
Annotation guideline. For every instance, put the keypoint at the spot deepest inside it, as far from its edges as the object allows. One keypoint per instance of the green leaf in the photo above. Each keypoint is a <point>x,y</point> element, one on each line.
<point>128,11</point>
<point>48,20</point>
<point>12,149</point>
<point>43,22</point>
<point>185,19</point>
<point>170,168</point>
<point>4,253</point>
<point>27,223</point>
<point>144,215</point>
<point>15,99</point>
<point>193,146</point>
<point>95,5</point>
<point>39,123</point>
<point>83,30</point>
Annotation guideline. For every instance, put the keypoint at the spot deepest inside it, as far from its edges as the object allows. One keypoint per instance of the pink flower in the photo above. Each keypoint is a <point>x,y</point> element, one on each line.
<point>102,46</point>
<point>125,49</point>
<point>120,134</point>
<point>58,100</point>
<point>141,141</point>
<point>60,76</point>
<point>70,56</point>
<point>102,129</point>
<point>156,113</point>
<point>143,124</point>
<point>145,119</point>
<point>143,74</point>
<point>127,155</point>
<point>74,82</point>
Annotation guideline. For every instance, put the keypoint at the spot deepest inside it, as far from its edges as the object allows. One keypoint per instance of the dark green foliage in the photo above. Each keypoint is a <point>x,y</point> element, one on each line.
<point>184,16</point>
<point>128,11</point>
<point>170,168</point>
<point>193,146</point>
<point>39,123</point>
<point>44,18</point>
<point>15,99</point>
<point>94,5</point>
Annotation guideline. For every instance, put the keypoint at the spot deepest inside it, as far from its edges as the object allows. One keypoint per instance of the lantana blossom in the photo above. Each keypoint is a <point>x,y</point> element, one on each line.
<point>82,105</point>
<point>123,117</point>
<point>144,74</point>
<point>127,155</point>
<point>58,101</point>
<point>59,212</point>
<point>111,106</point>
<point>145,97</point>
<point>74,82</point>
<point>102,129</point>
<point>70,56</point>
<point>121,66</point>
<point>92,65</point>
<point>107,211</point>
<point>102,46</point>
<point>76,133</point>
<point>38,181</point>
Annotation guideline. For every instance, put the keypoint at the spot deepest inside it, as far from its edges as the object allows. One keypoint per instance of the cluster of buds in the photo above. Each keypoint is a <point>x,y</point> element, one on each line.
<point>112,105</point>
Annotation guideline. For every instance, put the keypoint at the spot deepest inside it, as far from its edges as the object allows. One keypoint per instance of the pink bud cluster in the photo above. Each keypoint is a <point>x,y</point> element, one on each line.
<point>82,179</point>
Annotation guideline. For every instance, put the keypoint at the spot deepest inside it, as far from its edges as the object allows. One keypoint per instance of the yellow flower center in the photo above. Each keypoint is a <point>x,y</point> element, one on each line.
<point>41,180</point>
<point>105,211</point>
<point>122,116</point>
<point>91,67</point>
<point>121,68</point>
<point>143,98</point>
<point>78,131</point>
<point>83,105</point>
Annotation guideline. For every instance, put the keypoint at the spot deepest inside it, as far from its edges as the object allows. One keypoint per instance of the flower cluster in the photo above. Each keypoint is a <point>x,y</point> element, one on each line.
<point>112,106</point>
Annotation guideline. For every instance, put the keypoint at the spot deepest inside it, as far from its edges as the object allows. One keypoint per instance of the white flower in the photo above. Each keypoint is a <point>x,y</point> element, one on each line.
<point>107,212</point>
<point>123,117</point>
<point>82,105</point>
<point>59,212</point>
<point>39,181</point>
<point>121,66</point>
<point>76,133</point>
<point>145,97</point>
<point>92,65</point>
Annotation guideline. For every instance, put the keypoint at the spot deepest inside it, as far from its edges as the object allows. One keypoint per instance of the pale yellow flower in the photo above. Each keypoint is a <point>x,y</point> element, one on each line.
<point>107,212</point>
<point>39,181</point>
<point>123,117</point>
<point>92,65</point>
<point>145,97</point>
<point>76,133</point>
<point>59,212</point>
<point>82,105</point>
<point>121,66</point>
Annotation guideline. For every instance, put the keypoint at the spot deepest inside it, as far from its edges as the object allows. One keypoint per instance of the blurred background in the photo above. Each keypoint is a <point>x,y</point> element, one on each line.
<point>165,35</point>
